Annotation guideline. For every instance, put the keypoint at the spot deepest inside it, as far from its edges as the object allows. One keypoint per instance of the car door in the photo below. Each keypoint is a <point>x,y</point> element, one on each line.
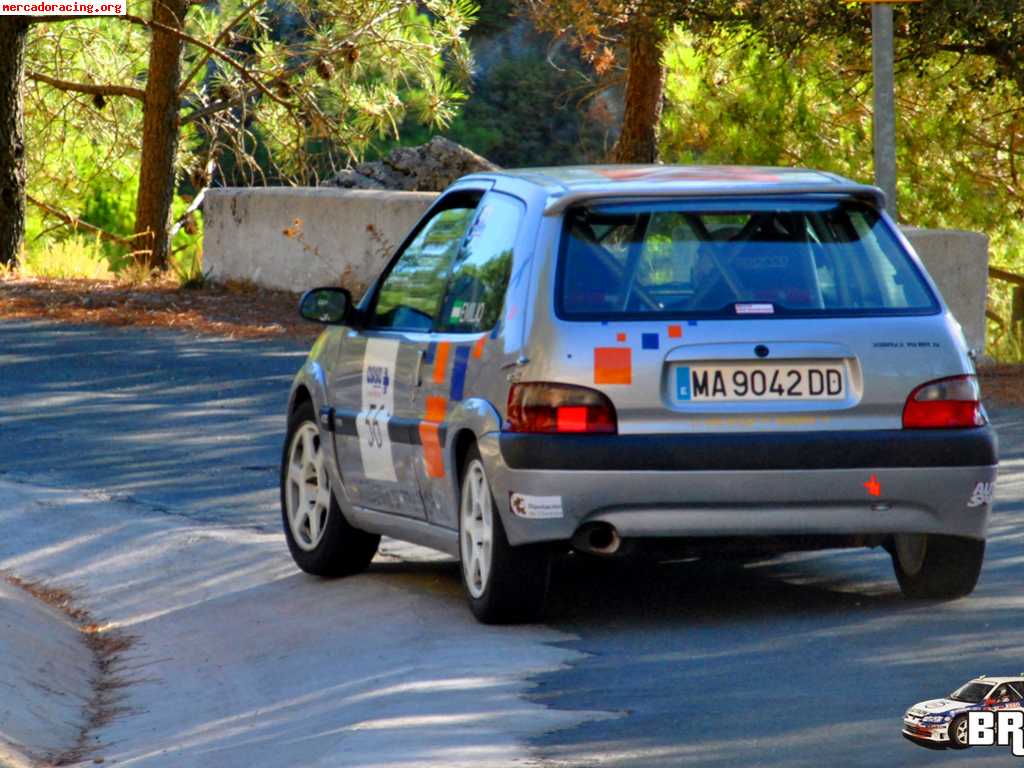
<point>374,387</point>
<point>453,361</point>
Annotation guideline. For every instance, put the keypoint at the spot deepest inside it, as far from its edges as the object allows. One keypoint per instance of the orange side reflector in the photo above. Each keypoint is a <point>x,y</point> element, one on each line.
<point>613,365</point>
<point>873,487</point>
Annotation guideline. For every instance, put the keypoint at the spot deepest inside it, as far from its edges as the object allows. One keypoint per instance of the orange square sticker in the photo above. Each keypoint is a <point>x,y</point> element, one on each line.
<point>620,337</point>
<point>675,331</point>
<point>613,365</point>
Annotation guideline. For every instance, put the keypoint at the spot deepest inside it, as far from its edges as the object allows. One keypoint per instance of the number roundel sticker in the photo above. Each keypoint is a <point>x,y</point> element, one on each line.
<point>378,402</point>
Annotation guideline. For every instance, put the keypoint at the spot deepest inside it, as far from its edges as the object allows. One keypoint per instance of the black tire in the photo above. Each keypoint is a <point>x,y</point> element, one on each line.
<point>955,727</point>
<point>342,550</point>
<point>516,586</point>
<point>949,567</point>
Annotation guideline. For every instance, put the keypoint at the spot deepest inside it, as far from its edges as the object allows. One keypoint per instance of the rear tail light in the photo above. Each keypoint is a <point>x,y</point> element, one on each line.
<point>945,404</point>
<point>559,408</point>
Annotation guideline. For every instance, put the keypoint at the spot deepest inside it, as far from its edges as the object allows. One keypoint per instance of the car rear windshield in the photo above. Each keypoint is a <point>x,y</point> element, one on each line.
<point>730,258</point>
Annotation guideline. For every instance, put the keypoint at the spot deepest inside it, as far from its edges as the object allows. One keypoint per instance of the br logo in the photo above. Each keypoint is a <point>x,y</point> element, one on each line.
<point>1005,728</point>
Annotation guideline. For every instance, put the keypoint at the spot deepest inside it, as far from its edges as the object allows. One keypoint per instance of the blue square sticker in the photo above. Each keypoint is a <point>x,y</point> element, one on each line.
<point>683,383</point>
<point>649,340</point>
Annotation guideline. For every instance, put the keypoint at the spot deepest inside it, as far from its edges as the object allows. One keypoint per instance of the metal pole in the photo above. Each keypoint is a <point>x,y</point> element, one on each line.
<point>884,133</point>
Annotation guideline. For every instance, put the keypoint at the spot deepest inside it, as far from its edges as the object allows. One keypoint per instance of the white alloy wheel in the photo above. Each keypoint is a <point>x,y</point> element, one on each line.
<point>911,549</point>
<point>308,492</point>
<point>961,731</point>
<point>477,528</point>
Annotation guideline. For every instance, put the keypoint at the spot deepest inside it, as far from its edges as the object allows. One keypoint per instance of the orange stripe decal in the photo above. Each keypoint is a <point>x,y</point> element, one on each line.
<point>436,407</point>
<point>441,361</point>
<point>430,436</point>
<point>613,365</point>
<point>478,348</point>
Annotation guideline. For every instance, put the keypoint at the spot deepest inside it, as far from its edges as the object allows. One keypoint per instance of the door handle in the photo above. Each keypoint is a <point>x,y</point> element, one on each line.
<point>417,379</point>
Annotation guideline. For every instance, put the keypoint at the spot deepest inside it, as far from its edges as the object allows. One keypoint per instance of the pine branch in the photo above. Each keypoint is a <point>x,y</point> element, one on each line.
<point>95,90</point>
<point>221,36</point>
<point>76,223</point>
<point>213,51</point>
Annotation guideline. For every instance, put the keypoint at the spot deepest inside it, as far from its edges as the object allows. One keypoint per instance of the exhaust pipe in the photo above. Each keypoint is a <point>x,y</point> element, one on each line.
<point>597,539</point>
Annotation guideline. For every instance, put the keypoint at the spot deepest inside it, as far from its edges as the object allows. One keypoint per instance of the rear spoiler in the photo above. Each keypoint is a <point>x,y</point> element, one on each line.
<point>627,191</point>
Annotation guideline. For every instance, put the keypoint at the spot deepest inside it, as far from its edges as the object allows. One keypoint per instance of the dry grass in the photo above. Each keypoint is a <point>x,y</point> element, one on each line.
<point>107,646</point>
<point>234,310</point>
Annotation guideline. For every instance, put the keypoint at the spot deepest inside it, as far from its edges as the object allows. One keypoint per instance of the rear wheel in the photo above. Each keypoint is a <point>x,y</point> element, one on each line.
<point>320,539</point>
<point>504,584</point>
<point>929,566</point>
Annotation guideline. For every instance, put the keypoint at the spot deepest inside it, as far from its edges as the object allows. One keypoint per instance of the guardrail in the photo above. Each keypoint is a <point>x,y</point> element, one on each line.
<point>1016,321</point>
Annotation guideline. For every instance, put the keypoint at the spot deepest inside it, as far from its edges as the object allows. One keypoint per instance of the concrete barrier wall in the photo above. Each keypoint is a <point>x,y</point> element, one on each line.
<point>958,263</point>
<point>294,239</point>
<point>298,238</point>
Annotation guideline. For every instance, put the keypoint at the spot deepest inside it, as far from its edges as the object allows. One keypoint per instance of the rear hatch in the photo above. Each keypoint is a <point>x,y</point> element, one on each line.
<point>781,313</point>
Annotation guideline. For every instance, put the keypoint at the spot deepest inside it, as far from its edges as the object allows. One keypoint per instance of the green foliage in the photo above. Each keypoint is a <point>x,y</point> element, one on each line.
<point>525,111</point>
<point>734,99</point>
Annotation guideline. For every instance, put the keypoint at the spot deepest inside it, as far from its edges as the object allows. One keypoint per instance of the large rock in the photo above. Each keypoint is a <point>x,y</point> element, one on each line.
<point>429,167</point>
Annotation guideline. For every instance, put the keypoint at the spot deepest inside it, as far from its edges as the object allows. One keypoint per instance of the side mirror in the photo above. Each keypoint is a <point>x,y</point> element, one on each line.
<point>330,306</point>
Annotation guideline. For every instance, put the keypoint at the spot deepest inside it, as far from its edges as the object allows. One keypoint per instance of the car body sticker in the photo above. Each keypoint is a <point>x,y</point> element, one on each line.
<point>378,403</point>
<point>675,331</point>
<point>983,494</point>
<point>459,372</point>
<point>430,436</point>
<point>478,348</point>
<point>536,507</point>
<point>441,361</point>
<point>650,340</point>
<point>613,365</point>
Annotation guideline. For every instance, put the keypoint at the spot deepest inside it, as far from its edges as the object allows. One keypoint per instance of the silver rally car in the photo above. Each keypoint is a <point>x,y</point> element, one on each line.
<point>647,359</point>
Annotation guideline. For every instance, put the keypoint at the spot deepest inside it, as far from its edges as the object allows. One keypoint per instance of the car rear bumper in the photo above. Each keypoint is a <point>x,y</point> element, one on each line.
<point>681,486</point>
<point>753,450</point>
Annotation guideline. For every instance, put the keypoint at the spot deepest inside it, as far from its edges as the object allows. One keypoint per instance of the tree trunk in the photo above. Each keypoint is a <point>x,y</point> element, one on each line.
<point>159,136</point>
<point>13,30</point>
<point>638,140</point>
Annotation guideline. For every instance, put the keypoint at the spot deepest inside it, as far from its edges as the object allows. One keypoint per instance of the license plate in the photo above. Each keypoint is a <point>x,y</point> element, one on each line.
<point>760,381</point>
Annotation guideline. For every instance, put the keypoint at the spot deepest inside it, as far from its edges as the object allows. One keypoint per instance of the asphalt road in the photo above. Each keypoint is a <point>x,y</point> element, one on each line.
<point>799,661</point>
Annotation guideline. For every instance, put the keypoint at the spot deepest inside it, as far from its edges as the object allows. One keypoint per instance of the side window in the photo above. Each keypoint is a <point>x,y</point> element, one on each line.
<point>479,276</point>
<point>411,293</point>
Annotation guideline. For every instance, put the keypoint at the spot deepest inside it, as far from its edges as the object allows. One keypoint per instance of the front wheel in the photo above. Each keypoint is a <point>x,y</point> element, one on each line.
<point>320,539</point>
<point>958,733</point>
<point>504,584</point>
<point>934,567</point>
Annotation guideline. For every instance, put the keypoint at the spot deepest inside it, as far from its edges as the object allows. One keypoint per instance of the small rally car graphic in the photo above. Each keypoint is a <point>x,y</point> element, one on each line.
<point>944,722</point>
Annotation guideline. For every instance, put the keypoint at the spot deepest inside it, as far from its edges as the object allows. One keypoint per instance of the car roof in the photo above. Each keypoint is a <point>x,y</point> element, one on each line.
<point>997,680</point>
<point>568,185</point>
